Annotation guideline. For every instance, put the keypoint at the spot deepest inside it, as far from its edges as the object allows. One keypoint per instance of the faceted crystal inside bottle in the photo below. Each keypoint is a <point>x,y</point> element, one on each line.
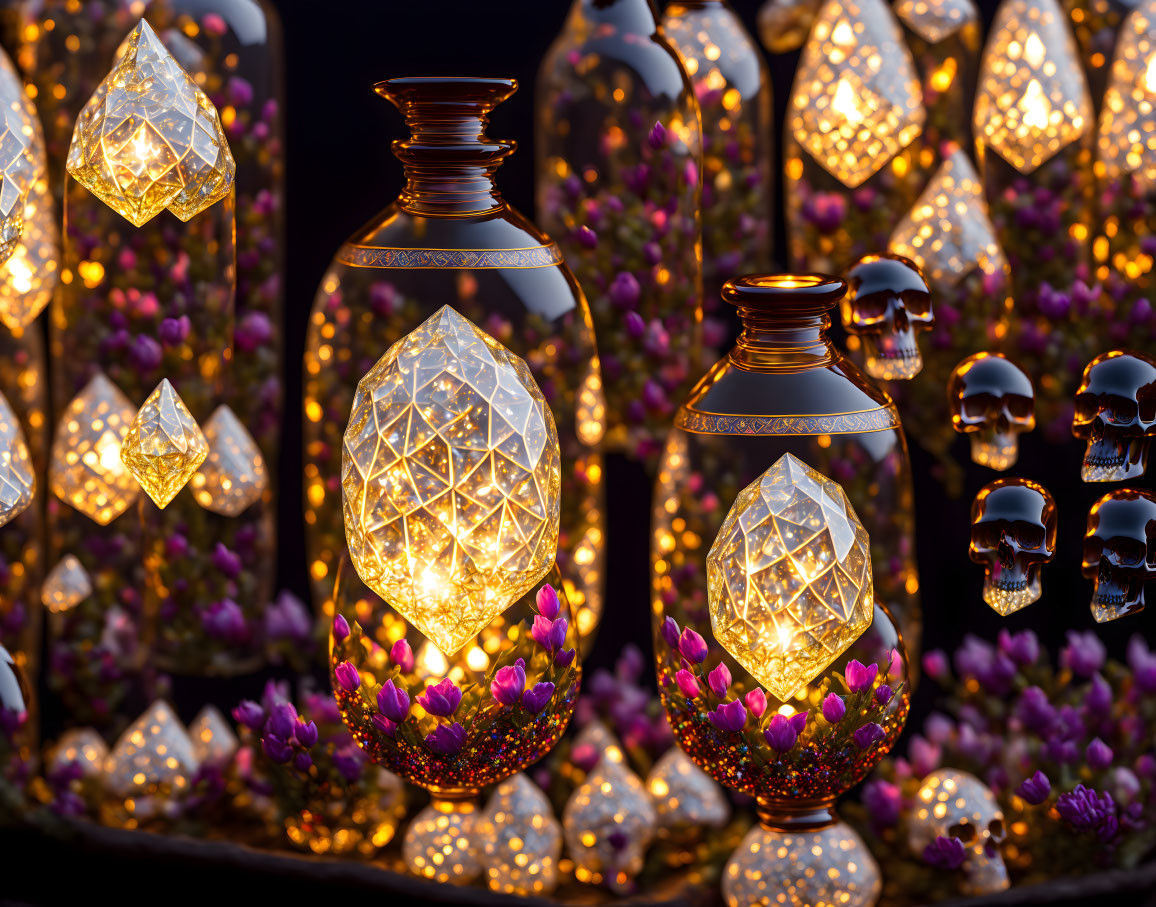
<point>1127,135</point>
<point>66,586</point>
<point>934,20</point>
<point>789,577</point>
<point>164,445</point>
<point>17,480</point>
<point>212,736</point>
<point>150,139</point>
<point>154,752</point>
<point>233,476</point>
<point>21,156</point>
<point>450,479</point>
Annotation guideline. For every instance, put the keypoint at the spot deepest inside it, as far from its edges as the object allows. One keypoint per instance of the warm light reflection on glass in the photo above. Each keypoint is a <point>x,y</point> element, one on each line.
<point>17,478</point>
<point>1127,139</point>
<point>66,586</point>
<point>233,476</point>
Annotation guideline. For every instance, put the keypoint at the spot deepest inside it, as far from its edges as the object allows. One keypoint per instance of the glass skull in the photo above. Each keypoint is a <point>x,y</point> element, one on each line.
<point>1116,415</point>
<point>1013,534</point>
<point>991,400</point>
<point>955,804</point>
<point>1120,551</point>
<point>886,305</point>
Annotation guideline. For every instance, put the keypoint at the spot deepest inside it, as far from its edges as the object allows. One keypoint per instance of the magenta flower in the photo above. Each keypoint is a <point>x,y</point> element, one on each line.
<point>625,291</point>
<point>1035,711</point>
<point>509,682</point>
<point>691,646</point>
<point>549,634</point>
<point>446,739</point>
<point>936,665</point>
<point>565,658</point>
<point>340,628</point>
<point>350,762</point>
<point>302,761</point>
<point>923,755</point>
<point>401,654</point>
<point>1142,661</point>
<point>1036,789</point>
<point>1098,699</point>
<point>756,701</point>
<point>536,698</point>
<point>393,701</point>
<point>834,708</point>
<point>282,721</point>
<point>226,561</point>
<point>1023,648</point>
<point>719,680</point>
<point>780,734</point>
<point>883,694</point>
<point>587,238</point>
<point>883,802</point>
<point>249,714</point>
<point>868,735</point>
<point>687,683</point>
<point>859,677</point>
<point>347,677</point>
<point>1084,654</point>
<point>441,698</point>
<point>657,137</point>
<point>547,602</point>
<point>305,732</point>
<point>384,725</point>
<point>729,716</point>
<point>670,632</point>
<point>945,853</point>
<point>1098,754</point>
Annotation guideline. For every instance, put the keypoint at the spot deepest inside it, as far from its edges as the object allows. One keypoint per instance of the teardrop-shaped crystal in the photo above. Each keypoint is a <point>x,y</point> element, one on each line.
<point>212,736</point>
<point>81,746</point>
<point>948,232</point>
<point>683,794</point>
<point>66,586</point>
<point>1127,142</point>
<point>856,101</point>
<point>521,840</point>
<point>935,20</point>
<point>164,445</point>
<point>17,479</point>
<point>86,471</point>
<point>1032,99</point>
<point>154,753</point>
<point>233,476</point>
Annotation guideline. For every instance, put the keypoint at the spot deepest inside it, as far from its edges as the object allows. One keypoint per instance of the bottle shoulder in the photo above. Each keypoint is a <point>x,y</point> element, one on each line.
<point>503,229</point>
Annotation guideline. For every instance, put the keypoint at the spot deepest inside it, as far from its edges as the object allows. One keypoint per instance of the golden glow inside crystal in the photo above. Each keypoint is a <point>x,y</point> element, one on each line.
<point>1127,136</point>
<point>947,232</point>
<point>164,445</point>
<point>520,839</point>
<point>66,586</point>
<point>86,471</point>
<point>82,746</point>
<point>1032,99</point>
<point>789,577</point>
<point>149,138</point>
<point>212,736</point>
<point>233,476</point>
<point>856,101</point>
<point>440,843</point>
<point>934,20</point>
<point>450,479</point>
<point>17,479</point>
<point>685,796</point>
<point>803,869</point>
<point>22,160</point>
<point>154,754</point>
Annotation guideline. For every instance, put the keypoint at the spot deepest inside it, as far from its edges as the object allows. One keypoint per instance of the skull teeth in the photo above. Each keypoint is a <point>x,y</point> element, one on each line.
<point>898,354</point>
<point>1110,598</point>
<point>1008,585</point>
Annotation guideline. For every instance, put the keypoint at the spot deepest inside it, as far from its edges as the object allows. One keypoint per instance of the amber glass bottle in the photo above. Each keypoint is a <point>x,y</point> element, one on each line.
<point>619,153</point>
<point>450,239</point>
<point>784,388</point>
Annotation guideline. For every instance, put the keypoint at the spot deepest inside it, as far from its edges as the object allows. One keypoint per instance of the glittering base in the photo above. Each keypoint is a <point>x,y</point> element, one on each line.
<point>1008,599</point>
<point>995,451</point>
<point>902,365</point>
<point>813,869</point>
<point>439,842</point>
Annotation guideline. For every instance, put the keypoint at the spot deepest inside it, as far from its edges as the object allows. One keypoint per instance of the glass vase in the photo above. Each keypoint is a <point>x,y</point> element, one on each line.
<point>450,238</point>
<point>618,158</point>
<point>783,388</point>
<point>733,88</point>
<point>851,155</point>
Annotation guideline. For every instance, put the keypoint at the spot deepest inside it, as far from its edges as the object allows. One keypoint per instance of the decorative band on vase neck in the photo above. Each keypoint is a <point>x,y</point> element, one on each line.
<point>547,256</point>
<point>879,419</point>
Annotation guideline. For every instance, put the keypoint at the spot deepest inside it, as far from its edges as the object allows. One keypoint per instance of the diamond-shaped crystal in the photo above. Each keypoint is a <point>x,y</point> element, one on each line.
<point>164,445</point>
<point>1032,98</point>
<point>450,479</point>
<point>86,471</point>
<point>66,586</point>
<point>947,232</point>
<point>789,577</point>
<point>149,138</point>
<point>934,20</point>
<point>212,736</point>
<point>233,476</point>
<point>17,479</point>
<point>83,747</point>
<point>1127,134</point>
<point>856,101</point>
<point>154,753</point>
<point>22,159</point>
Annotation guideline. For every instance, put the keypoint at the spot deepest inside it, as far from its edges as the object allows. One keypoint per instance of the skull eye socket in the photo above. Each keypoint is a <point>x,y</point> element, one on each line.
<point>1087,406</point>
<point>1029,536</point>
<point>977,406</point>
<point>870,309</point>
<point>1120,410</point>
<point>1019,407</point>
<point>987,536</point>
<point>918,304</point>
<point>996,829</point>
<point>1129,552</point>
<point>962,830</point>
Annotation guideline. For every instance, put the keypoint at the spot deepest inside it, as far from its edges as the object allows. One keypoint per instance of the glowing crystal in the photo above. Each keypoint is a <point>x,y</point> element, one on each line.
<point>86,471</point>
<point>164,445</point>
<point>154,754</point>
<point>213,738</point>
<point>21,160</point>
<point>521,840</point>
<point>934,20</point>
<point>947,232</point>
<point>856,101</point>
<point>1127,135</point>
<point>233,476</point>
<point>66,586</point>
<point>439,843</point>
<point>685,796</point>
<point>17,479</point>
<point>1032,99</point>
<point>149,138</point>
<point>83,747</point>
<point>450,479</point>
<point>789,577</point>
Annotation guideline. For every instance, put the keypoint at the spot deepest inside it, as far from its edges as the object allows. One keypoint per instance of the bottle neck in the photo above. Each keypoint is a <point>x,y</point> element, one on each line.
<point>771,343</point>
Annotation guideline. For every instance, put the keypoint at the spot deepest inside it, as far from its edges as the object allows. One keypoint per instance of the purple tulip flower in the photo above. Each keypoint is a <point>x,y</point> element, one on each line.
<point>756,701</point>
<point>249,714</point>
<point>687,683</point>
<point>936,665</point>
<point>441,698</point>
<point>945,853</point>
<point>276,749</point>
<point>340,628</point>
<point>719,680</point>
<point>535,699</point>
<point>883,694</point>
<point>393,702</point>
<point>306,733</point>
<point>883,801</point>
<point>1023,648</point>
<point>691,646</point>
<point>1084,654</point>
<point>547,602</point>
<point>347,677</point>
<point>509,682</point>
<point>401,654</point>
<point>868,735</point>
<point>670,632</point>
<point>624,290</point>
<point>282,721</point>
<point>729,716</point>
<point>446,739</point>
<point>1098,754</point>
<point>1036,789</point>
<point>780,734</point>
<point>1086,810</point>
<point>834,708</point>
<point>859,677</point>
<point>302,761</point>
<point>565,658</point>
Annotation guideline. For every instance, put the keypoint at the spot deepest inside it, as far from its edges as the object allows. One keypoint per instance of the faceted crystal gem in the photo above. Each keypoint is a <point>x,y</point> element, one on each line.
<point>948,232</point>
<point>856,101</point>
<point>450,479</point>
<point>22,174</point>
<point>440,843</point>
<point>164,445</point>
<point>521,840</point>
<point>154,752</point>
<point>149,138</point>
<point>17,479</point>
<point>1127,135</point>
<point>233,476</point>
<point>1032,99</point>
<point>685,796</point>
<point>66,586</point>
<point>934,20</point>
<point>789,577</point>
<point>212,736</point>
<point>82,746</point>
<point>86,471</point>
